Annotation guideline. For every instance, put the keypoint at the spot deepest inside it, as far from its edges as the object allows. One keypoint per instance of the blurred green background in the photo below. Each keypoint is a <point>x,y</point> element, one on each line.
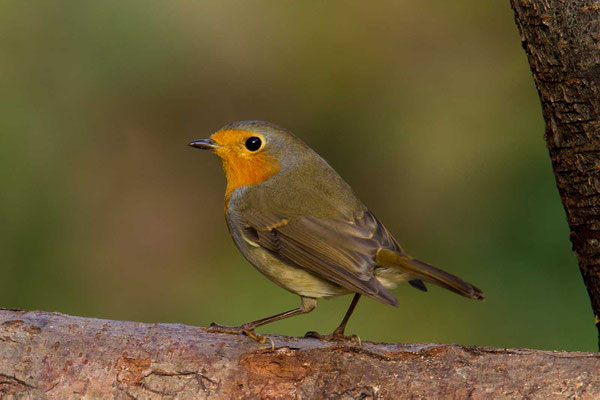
<point>427,109</point>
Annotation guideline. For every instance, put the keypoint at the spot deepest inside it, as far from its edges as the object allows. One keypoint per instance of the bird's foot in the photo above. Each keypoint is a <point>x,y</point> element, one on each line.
<point>216,328</point>
<point>336,336</point>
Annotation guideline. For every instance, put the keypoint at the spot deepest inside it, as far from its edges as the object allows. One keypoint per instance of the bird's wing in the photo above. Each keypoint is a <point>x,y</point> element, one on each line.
<point>341,251</point>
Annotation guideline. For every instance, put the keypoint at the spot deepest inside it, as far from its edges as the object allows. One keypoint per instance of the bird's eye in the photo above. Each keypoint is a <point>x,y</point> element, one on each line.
<point>253,143</point>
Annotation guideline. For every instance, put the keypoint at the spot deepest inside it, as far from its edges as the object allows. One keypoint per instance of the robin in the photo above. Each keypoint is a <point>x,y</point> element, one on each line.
<point>301,225</point>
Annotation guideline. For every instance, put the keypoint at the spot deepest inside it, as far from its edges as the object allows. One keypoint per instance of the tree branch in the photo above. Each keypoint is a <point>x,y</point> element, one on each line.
<point>562,42</point>
<point>51,355</point>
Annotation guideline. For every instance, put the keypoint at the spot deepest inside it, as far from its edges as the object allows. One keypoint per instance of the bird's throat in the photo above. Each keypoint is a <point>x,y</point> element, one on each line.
<point>242,171</point>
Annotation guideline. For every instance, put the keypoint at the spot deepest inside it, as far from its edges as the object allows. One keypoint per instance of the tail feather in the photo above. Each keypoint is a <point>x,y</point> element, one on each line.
<point>428,273</point>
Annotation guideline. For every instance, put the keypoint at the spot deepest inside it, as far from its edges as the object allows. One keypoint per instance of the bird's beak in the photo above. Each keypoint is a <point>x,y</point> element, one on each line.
<point>204,144</point>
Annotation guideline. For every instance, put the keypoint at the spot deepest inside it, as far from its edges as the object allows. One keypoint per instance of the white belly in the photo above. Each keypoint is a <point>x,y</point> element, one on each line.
<point>291,278</point>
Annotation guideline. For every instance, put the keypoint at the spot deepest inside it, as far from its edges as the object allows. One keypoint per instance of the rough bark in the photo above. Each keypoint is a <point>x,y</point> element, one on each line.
<point>50,355</point>
<point>562,42</point>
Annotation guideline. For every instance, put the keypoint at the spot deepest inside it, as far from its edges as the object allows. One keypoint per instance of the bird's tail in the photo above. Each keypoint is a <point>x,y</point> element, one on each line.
<point>428,273</point>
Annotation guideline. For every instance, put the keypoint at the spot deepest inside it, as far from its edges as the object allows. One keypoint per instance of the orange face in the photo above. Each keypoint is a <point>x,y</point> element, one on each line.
<point>243,164</point>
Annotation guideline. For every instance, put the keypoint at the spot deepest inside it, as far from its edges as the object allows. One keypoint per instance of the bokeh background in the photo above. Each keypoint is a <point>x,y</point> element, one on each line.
<point>426,108</point>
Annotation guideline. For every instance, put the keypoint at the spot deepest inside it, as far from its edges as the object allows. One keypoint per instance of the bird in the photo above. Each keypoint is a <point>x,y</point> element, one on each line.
<point>297,221</point>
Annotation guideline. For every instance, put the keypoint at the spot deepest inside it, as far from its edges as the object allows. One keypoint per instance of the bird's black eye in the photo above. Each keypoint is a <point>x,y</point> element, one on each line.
<point>253,143</point>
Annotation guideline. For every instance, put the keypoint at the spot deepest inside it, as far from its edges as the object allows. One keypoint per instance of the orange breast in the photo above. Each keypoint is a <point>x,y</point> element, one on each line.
<point>241,171</point>
<point>242,168</point>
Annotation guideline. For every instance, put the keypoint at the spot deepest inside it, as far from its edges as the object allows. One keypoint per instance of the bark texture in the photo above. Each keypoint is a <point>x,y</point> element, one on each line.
<point>562,42</point>
<point>56,356</point>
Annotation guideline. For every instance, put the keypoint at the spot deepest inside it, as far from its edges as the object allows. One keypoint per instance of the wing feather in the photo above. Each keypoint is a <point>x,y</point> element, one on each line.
<point>336,250</point>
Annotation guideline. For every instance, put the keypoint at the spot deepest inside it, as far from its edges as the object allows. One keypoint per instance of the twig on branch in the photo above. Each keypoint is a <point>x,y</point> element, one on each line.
<point>51,355</point>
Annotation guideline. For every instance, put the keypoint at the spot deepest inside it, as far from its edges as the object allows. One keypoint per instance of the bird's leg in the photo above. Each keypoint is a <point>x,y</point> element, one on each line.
<point>307,305</point>
<point>338,334</point>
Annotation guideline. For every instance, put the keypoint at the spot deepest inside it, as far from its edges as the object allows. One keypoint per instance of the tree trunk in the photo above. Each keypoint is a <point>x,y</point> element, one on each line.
<point>51,355</point>
<point>561,39</point>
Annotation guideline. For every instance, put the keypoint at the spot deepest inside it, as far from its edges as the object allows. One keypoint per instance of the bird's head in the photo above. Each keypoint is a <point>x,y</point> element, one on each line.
<point>253,151</point>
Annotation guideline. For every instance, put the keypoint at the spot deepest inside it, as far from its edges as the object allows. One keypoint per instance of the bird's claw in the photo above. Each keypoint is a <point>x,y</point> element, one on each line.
<point>216,328</point>
<point>334,337</point>
<point>259,338</point>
